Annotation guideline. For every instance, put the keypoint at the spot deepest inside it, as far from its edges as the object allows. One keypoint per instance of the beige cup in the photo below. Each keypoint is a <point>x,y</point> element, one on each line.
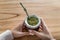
<point>30,26</point>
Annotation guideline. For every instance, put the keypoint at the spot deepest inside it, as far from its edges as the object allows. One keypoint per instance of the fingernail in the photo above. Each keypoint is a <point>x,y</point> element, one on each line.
<point>30,30</point>
<point>31,34</point>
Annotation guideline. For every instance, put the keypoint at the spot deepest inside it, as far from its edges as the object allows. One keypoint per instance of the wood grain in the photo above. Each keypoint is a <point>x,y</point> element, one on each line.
<point>49,10</point>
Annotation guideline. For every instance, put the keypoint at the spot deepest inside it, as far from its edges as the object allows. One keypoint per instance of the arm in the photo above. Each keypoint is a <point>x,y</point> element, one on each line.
<point>14,32</point>
<point>7,35</point>
<point>45,33</point>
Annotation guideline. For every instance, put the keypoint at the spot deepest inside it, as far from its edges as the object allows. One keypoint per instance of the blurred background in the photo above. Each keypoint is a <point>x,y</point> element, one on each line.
<point>11,13</point>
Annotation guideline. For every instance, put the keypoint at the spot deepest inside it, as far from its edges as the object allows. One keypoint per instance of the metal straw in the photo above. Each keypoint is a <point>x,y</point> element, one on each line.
<point>25,10</point>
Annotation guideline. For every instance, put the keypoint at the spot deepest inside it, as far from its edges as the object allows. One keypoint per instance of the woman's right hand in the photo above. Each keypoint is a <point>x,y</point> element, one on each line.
<point>17,30</point>
<point>44,34</point>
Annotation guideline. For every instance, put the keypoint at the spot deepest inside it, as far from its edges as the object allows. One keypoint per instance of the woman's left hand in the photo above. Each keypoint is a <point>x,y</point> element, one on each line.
<point>44,34</point>
<point>17,31</point>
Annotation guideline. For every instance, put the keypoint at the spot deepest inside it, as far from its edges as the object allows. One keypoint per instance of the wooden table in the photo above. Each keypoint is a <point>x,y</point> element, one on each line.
<point>11,13</point>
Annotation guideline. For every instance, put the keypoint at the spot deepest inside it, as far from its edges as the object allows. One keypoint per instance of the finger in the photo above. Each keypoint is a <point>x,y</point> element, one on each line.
<point>44,35</point>
<point>41,27</point>
<point>24,33</point>
<point>43,24</point>
<point>41,34</point>
<point>45,28</point>
<point>31,32</point>
<point>40,30</point>
<point>17,33</point>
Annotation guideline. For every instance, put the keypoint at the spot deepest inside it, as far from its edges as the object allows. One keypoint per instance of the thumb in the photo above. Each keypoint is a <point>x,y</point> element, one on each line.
<point>41,34</point>
<point>31,32</point>
<point>19,34</point>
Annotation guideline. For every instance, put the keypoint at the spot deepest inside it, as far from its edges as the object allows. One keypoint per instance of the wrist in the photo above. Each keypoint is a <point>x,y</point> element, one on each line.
<point>53,39</point>
<point>12,32</point>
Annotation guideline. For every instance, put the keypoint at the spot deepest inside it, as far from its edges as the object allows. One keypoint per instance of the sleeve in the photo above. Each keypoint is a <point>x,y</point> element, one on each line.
<point>7,35</point>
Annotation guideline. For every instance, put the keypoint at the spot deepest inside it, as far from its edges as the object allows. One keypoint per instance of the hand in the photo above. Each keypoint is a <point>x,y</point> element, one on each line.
<point>44,34</point>
<point>17,30</point>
